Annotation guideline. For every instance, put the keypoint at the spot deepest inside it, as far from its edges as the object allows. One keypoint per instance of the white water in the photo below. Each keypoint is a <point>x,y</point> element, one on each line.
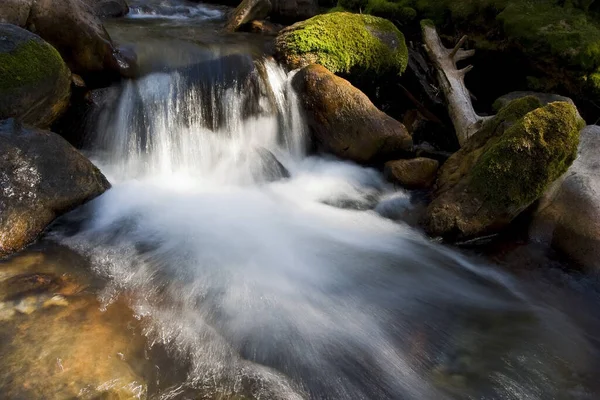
<point>261,281</point>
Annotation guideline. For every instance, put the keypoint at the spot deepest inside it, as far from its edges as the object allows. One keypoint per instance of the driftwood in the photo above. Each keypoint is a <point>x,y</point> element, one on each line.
<point>452,81</point>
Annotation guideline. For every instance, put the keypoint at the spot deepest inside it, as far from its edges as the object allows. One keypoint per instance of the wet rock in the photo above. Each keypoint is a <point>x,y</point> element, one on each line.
<point>76,32</point>
<point>416,173</point>
<point>41,177</point>
<point>503,168</point>
<point>344,43</point>
<point>109,8</point>
<point>568,215</point>
<point>34,80</point>
<point>247,11</point>
<point>270,168</point>
<point>265,28</point>
<point>343,120</point>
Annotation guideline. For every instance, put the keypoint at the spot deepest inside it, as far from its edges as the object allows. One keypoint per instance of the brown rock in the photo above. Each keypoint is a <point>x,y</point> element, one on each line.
<point>42,176</point>
<point>265,28</point>
<point>76,32</point>
<point>343,120</point>
<point>417,173</point>
<point>15,12</point>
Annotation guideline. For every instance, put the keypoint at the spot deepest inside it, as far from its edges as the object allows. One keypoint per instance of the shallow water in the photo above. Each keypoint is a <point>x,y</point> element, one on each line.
<point>226,263</point>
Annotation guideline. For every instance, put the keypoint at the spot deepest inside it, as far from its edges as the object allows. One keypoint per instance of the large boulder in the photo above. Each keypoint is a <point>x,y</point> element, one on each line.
<point>343,120</point>
<point>15,12</point>
<point>344,43</point>
<point>35,83</point>
<point>72,27</point>
<point>503,168</point>
<point>42,176</point>
<point>568,215</point>
<point>109,8</point>
<point>246,11</point>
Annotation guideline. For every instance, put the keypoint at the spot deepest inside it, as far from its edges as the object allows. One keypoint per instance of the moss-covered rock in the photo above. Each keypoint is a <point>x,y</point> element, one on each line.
<point>34,80</point>
<point>504,168</point>
<point>344,43</point>
<point>344,122</point>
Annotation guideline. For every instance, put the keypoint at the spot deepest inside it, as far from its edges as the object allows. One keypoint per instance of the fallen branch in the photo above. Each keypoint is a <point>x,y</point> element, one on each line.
<point>452,81</point>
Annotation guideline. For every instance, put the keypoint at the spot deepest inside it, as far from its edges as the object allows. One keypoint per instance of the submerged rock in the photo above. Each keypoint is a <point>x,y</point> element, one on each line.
<point>246,11</point>
<point>503,168</point>
<point>35,83</point>
<point>344,43</point>
<point>416,173</point>
<point>568,215</point>
<point>344,122</point>
<point>41,177</point>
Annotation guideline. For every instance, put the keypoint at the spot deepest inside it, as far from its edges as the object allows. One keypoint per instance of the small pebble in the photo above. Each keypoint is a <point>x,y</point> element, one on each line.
<point>58,300</point>
<point>27,305</point>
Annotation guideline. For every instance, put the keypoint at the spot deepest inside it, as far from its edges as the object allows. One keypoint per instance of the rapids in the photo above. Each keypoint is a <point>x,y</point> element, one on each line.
<point>265,272</point>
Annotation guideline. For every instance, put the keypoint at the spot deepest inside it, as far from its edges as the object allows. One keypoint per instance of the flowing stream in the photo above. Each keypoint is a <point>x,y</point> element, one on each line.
<point>263,272</point>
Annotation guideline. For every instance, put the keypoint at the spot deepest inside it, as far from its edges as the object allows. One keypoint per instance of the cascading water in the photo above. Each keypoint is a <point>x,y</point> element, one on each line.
<point>267,274</point>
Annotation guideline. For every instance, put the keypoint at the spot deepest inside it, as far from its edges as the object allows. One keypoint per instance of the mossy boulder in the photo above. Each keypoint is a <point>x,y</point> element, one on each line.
<point>35,83</point>
<point>344,43</point>
<point>42,176</point>
<point>344,122</point>
<point>504,168</point>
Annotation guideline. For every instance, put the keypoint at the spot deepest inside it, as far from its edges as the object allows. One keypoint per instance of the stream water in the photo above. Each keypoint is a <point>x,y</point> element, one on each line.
<point>226,263</point>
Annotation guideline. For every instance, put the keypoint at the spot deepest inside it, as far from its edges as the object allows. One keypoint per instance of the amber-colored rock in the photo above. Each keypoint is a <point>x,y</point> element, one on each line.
<point>345,122</point>
<point>416,173</point>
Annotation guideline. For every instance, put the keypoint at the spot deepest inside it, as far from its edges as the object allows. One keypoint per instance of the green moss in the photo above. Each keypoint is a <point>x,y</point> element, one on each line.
<point>515,110</point>
<point>30,63</point>
<point>515,170</point>
<point>345,43</point>
<point>565,33</point>
<point>593,82</point>
<point>393,11</point>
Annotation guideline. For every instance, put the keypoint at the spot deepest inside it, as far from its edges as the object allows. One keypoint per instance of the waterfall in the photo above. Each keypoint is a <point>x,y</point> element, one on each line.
<point>269,273</point>
<point>199,123</point>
